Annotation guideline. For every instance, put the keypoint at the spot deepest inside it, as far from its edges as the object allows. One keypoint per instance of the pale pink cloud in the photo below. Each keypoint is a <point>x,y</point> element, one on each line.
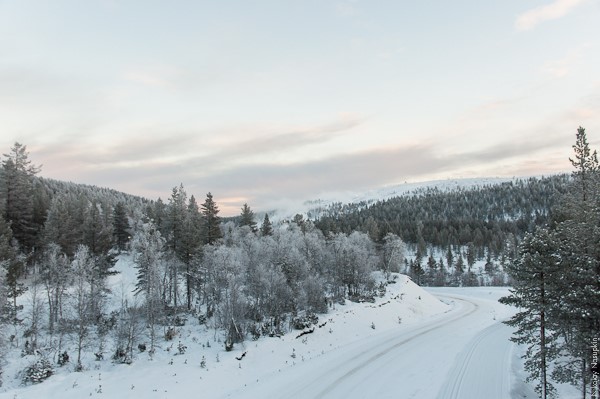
<point>557,9</point>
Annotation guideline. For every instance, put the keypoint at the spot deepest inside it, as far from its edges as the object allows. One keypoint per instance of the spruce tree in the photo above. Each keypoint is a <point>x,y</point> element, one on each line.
<point>211,220</point>
<point>247,218</point>
<point>16,193</point>
<point>579,280</point>
<point>175,224</point>
<point>3,316</point>
<point>120,222</point>
<point>14,270</point>
<point>585,164</point>
<point>267,228</point>
<point>533,272</point>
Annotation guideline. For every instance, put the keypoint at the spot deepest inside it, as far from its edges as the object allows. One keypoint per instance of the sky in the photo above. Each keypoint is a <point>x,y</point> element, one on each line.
<point>264,102</point>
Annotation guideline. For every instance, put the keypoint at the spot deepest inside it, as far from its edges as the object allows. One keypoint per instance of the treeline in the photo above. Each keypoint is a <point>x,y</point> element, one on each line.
<point>556,276</point>
<point>30,203</point>
<point>485,217</point>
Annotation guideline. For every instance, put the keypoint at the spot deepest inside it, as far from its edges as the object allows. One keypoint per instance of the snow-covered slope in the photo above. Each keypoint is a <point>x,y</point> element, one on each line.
<point>313,207</point>
<point>207,368</point>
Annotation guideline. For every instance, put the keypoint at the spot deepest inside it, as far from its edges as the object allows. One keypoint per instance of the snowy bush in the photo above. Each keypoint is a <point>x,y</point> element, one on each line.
<point>170,333</point>
<point>63,358</point>
<point>122,356</point>
<point>181,348</point>
<point>304,321</point>
<point>360,298</point>
<point>38,371</point>
<point>255,331</point>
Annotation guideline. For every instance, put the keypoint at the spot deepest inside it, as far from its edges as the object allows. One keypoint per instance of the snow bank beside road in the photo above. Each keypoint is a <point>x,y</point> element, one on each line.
<point>170,375</point>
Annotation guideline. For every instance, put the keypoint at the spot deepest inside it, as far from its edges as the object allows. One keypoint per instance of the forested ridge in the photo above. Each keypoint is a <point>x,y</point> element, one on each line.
<point>243,277</point>
<point>485,216</point>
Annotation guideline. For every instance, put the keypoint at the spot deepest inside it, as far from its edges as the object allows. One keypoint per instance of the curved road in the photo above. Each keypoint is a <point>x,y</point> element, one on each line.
<point>463,353</point>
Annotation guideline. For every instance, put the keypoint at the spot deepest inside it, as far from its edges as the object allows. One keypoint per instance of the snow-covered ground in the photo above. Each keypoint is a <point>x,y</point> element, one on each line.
<point>408,344</point>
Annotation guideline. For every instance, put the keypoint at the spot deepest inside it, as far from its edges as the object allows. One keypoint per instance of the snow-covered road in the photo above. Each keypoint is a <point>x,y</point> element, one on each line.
<point>464,353</point>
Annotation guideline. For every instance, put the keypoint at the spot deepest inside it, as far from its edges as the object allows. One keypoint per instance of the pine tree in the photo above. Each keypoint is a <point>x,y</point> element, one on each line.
<point>211,220</point>
<point>97,231</point>
<point>4,312</point>
<point>175,223</point>
<point>579,281</point>
<point>247,218</point>
<point>267,228</point>
<point>585,164</point>
<point>471,255</point>
<point>16,194</point>
<point>14,270</point>
<point>533,272</point>
<point>449,257</point>
<point>64,224</point>
<point>120,222</point>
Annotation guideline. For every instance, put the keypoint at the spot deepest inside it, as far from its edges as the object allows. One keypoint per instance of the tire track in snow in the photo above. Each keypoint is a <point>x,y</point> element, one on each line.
<point>482,369</point>
<point>386,348</point>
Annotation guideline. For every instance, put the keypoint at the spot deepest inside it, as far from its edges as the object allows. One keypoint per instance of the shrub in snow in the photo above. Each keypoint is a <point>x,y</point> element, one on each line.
<point>304,321</point>
<point>122,356</point>
<point>170,334</point>
<point>29,349</point>
<point>255,331</point>
<point>63,358</point>
<point>79,366</point>
<point>38,371</point>
<point>360,298</point>
<point>181,348</point>
<point>272,329</point>
<point>381,289</point>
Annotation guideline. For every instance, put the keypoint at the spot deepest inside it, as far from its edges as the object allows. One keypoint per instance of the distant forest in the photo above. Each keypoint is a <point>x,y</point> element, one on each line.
<point>485,217</point>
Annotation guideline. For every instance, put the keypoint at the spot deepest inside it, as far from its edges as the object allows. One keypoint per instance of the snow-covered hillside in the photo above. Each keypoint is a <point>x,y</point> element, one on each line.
<point>287,210</point>
<point>204,366</point>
